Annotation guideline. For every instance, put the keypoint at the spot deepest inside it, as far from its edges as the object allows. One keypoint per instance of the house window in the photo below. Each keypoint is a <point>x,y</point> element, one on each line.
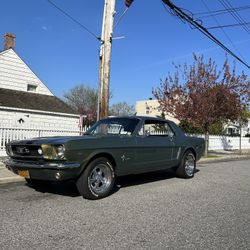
<point>31,88</point>
<point>147,109</point>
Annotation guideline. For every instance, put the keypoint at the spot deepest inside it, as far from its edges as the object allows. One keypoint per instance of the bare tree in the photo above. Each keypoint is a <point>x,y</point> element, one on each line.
<point>121,109</point>
<point>83,99</point>
<point>202,95</point>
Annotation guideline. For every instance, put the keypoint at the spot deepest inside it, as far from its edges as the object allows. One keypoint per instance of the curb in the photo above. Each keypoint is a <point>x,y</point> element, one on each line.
<point>224,159</point>
<point>13,179</point>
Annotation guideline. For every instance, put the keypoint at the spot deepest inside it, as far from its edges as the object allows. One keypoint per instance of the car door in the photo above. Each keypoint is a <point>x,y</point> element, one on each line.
<point>154,146</point>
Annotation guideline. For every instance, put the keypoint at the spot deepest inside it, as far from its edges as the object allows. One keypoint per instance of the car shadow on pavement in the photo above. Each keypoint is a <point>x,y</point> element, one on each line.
<point>68,188</point>
<point>140,179</point>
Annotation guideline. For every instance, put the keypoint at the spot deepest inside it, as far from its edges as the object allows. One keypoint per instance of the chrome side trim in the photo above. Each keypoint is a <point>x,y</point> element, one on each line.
<point>178,153</point>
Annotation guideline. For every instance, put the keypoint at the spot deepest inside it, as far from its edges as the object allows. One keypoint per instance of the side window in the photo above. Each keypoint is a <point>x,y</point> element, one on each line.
<point>155,128</point>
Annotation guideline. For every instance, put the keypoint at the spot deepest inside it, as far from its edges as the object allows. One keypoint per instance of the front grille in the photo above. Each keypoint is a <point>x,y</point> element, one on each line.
<point>25,151</point>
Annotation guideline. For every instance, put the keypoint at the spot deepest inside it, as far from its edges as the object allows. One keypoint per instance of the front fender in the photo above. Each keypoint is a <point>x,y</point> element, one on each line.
<point>95,154</point>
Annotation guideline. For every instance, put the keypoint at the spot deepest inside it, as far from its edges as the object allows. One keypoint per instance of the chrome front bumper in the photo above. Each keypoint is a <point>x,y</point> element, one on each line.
<point>38,165</point>
<point>45,170</point>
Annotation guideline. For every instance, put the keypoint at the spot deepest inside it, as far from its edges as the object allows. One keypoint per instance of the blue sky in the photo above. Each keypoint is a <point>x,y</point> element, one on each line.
<point>64,55</point>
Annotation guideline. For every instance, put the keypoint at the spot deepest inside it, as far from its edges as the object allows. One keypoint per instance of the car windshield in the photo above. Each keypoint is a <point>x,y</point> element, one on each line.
<point>114,126</point>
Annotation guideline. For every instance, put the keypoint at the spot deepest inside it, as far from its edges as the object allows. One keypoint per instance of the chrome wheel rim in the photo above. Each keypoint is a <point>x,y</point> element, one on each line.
<point>190,165</point>
<point>100,179</point>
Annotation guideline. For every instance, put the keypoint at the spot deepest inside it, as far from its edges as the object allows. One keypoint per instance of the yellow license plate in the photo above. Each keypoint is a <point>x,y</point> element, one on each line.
<point>24,173</point>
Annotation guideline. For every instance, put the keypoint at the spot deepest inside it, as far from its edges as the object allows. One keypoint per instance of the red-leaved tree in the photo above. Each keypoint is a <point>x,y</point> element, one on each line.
<point>202,95</point>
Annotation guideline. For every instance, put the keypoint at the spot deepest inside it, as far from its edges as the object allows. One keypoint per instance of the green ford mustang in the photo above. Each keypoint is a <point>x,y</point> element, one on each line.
<point>112,147</point>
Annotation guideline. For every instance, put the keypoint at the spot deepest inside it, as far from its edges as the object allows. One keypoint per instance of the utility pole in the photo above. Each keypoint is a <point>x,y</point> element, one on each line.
<point>105,58</point>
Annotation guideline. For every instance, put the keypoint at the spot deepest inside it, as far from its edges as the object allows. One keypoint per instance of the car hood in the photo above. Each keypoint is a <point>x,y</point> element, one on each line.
<point>48,140</point>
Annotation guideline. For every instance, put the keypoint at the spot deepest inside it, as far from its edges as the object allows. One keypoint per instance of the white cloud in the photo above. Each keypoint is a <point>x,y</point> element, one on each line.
<point>46,28</point>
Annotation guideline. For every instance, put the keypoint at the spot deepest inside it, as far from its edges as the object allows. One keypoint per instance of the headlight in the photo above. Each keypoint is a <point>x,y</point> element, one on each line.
<point>60,151</point>
<point>53,152</point>
<point>9,150</point>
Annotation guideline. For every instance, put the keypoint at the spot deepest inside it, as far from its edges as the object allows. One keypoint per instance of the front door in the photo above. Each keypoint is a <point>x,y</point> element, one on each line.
<point>154,146</point>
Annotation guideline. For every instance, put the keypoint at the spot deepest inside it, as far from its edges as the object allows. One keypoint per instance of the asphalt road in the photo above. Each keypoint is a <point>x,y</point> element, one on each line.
<point>150,211</point>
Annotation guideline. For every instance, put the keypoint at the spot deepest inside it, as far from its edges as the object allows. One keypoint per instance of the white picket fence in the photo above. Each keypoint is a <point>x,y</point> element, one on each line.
<point>8,134</point>
<point>217,142</point>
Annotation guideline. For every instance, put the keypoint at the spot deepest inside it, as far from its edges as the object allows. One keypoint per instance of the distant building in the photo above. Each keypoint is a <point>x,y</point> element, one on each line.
<point>152,108</point>
<point>233,128</point>
<point>25,101</point>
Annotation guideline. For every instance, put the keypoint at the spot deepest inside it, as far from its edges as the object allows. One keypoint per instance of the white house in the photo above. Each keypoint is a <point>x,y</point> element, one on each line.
<point>233,128</point>
<point>25,101</point>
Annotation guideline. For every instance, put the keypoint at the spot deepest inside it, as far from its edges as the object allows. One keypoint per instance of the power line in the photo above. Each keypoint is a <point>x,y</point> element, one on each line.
<point>224,32</point>
<point>220,12</point>
<point>182,15</point>
<point>239,16</point>
<point>227,26</point>
<point>235,14</point>
<point>74,20</point>
<point>121,17</point>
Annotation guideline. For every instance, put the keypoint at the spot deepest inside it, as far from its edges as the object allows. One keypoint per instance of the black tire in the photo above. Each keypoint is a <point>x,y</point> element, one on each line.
<point>187,167</point>
<point>97,180</point>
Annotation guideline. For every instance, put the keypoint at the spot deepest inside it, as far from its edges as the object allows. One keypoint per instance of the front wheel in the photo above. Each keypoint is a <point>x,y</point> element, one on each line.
<point>97,180</point>
<point>188,165</point>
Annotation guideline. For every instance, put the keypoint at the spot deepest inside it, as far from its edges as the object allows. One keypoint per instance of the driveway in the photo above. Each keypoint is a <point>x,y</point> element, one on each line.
<point>149,211</point>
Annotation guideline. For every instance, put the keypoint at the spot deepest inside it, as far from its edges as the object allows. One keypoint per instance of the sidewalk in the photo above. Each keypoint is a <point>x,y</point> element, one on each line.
<point>7,176</point>
<point>223,156</point>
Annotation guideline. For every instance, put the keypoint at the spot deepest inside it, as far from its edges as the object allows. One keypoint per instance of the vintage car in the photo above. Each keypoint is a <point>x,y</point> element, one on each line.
<point>112,147</point>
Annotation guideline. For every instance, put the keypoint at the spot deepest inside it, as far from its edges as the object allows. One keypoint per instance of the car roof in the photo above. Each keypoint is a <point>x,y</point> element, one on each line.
<point>138,117</point>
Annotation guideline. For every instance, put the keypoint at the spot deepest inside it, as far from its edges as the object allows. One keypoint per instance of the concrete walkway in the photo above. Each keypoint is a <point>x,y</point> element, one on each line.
<point>222,156</point>
<point>7,176</point>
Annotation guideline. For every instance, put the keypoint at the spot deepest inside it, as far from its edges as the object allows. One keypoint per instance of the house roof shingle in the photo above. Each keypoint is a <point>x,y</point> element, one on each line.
<point>33,101</point>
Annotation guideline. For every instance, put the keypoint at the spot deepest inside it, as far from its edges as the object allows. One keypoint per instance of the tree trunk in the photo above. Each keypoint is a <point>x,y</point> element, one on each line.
<point>206,143</point>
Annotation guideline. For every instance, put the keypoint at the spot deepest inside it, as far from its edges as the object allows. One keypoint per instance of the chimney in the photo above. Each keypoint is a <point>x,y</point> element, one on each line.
<point>9,41</point>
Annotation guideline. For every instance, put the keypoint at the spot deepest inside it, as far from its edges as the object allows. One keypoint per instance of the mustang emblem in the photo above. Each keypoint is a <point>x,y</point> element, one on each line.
<point>22,150</point>
<point>124,158</point>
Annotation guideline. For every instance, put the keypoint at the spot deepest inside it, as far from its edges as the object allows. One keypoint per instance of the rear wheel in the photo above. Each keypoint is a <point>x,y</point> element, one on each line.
<point>97,180</point>
<point>188,165</point>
